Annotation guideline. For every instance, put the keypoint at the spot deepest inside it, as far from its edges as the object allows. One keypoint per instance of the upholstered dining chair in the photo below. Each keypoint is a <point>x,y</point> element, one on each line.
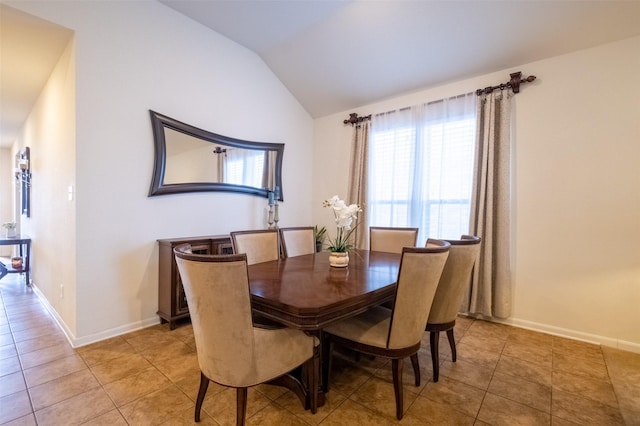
<point>297,241</point>
<point>261,245</point>
<point>231,351</point>
<point>391,240</point>
<point>393,333</point>
<point>455,278</point>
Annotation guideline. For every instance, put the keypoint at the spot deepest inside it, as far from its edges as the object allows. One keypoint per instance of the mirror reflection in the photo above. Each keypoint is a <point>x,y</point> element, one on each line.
<point>189,159</point>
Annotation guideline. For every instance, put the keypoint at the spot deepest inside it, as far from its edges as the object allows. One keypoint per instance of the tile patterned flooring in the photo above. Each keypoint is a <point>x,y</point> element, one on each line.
<point>504,376</point>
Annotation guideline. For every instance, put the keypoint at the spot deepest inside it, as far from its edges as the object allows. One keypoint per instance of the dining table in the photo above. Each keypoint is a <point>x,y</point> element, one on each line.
<point>305,293</point>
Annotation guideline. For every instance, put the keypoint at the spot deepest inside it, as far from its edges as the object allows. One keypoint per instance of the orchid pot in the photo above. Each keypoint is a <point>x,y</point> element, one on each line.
<point>339,259</point>
<point>340,245</point>
<point>10,229</point>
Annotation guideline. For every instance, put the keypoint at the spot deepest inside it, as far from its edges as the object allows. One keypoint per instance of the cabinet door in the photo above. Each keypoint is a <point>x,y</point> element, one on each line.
<point>225,248</point>
<point>181,306</point>
<point>181,298</point>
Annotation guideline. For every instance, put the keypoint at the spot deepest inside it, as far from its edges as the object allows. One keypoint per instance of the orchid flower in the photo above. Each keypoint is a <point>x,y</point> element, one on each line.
<point>344,216</point>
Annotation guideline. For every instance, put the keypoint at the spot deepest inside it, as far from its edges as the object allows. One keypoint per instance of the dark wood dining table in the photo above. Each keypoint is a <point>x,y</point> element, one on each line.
<point>304,292</point>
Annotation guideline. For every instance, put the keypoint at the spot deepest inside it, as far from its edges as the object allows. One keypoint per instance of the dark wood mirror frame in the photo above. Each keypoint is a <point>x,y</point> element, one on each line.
<point>161,122</point>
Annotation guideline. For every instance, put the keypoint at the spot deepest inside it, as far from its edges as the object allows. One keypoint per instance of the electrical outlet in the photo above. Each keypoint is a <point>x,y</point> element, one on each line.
<point>61,291</point>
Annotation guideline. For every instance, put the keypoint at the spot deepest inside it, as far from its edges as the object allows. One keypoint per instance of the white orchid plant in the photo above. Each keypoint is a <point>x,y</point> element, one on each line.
<point>344,217</point>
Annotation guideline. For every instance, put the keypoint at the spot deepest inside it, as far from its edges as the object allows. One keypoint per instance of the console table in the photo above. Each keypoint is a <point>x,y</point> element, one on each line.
<point>24,244</point>
<point>172,302</point>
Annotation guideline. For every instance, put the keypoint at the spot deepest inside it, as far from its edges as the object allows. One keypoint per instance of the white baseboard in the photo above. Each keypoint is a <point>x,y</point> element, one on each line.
<point>571,334</point>
<point>92,338</point>
<point>54,314</point>
<point>117,331</point>
<point>529,325</point>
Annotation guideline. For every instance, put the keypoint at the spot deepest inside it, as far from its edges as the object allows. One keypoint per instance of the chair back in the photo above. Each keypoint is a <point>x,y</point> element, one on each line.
<point>455,278</point>
<point>297,241</point>
<point>217,290</point>
<point>259,245</point>
<point>420,270</point>
<point>391,240</point>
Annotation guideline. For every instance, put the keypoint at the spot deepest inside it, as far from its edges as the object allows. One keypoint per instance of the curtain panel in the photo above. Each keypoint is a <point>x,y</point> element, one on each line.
<point>491,286</point>
<point>358,181</point>
<point>269,173</point>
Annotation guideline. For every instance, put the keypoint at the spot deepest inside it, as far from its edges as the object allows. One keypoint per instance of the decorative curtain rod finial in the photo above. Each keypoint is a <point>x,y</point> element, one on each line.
<point>354,119</point>
<point>514,83</point>
<point>516,79</point>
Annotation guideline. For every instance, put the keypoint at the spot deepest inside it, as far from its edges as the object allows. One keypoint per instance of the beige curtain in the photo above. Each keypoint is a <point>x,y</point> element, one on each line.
<point>269,171</point>
<point>490,290</point>
<point>358,185</point>
<point>221,159</point>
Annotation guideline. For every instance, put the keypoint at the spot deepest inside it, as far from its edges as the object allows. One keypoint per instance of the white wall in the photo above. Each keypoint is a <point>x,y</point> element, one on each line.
<point>131,57</point>
<point>49,132</point>
<point>6,193</point>
<point>578,196</point>
<point>576,193</point>
<point>6,190</point>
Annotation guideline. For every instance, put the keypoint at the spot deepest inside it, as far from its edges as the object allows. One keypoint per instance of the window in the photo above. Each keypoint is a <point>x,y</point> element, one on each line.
<point>421,163</point>
<point>244,167</point>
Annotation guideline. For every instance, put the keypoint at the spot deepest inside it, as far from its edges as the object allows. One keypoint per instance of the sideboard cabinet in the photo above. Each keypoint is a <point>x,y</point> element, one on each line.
<point>172,302</point>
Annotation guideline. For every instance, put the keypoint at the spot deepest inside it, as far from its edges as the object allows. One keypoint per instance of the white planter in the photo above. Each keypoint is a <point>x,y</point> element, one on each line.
<point>339,260</point>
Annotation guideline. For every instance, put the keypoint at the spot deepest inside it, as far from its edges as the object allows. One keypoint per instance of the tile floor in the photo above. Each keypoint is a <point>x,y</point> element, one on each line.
<point>503,376</point>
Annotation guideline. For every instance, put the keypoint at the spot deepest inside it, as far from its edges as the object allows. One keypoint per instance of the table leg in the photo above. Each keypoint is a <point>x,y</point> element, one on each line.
<point>27,263</point>
<point>3,270</point>
<point>321,393</point>
<point>297,381</point>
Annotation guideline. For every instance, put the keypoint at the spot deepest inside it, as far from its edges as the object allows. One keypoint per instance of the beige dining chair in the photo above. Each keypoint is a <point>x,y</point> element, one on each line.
<point>297,241</point>
<point>393,333</point>
<point>391,240</point>
<point>261,245</point>
<point>455,278</point>
<point>231,351</point>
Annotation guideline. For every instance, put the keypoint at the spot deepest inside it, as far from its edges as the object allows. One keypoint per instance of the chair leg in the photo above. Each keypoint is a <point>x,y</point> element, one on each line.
<point>327,347</point>
<point>396,365</point>
<point>452,343</point>
<point>434,337</point>
<point>241,406</point>
<point>204,385</point>
<point>416,368</point>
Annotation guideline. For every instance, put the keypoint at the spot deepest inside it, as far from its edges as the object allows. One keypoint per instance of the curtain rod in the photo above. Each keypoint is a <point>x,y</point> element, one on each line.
<point>354,119</point>
<point>514,84</point>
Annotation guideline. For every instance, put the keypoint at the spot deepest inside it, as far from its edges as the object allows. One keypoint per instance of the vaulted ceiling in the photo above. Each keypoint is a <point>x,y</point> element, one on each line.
<point>337,55</point>
<point>341,54</point>
<point>29,50</point>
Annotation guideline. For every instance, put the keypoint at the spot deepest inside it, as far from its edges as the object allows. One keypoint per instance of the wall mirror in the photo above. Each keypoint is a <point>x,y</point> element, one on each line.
<point>189,159</point>
<point>23,180</point>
